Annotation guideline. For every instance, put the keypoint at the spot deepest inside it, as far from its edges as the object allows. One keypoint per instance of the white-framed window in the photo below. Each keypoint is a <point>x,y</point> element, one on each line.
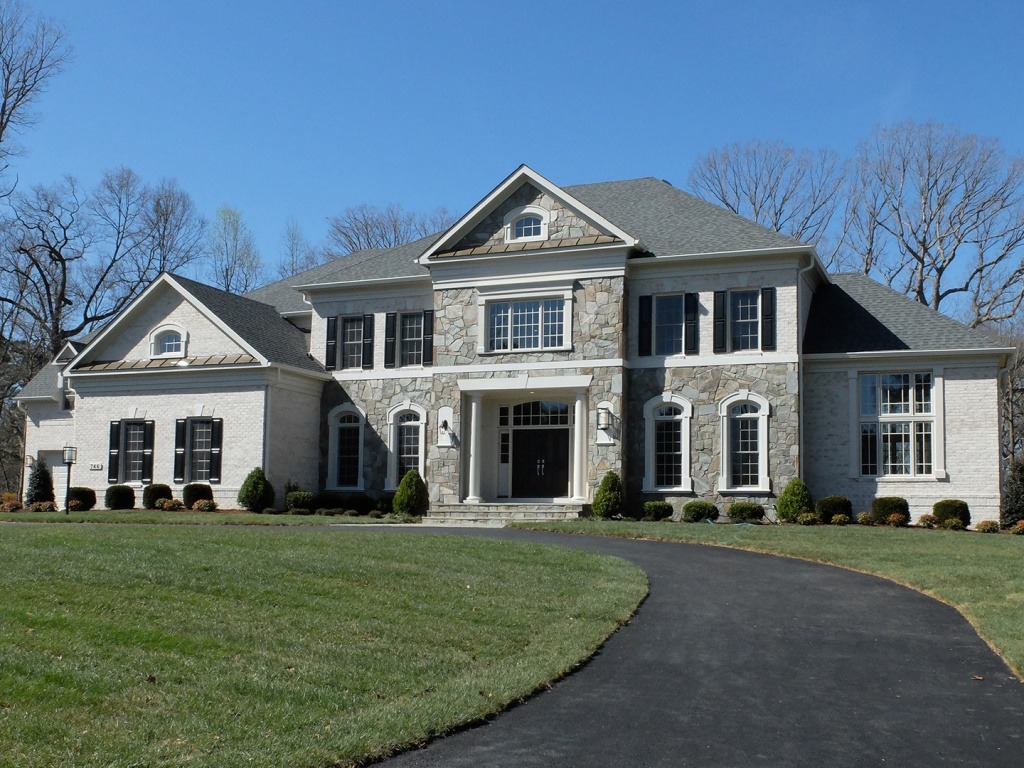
<point>345,448</point>
<point>351,336</point>
<point>199,455</point>
<point>667,443</point>
<point>526,325</point>
<point>744,320</point>
<point>744,429</point>
<point>896,424</point>
<point>407,427</point>
<point>410,339</point>
<point>668,324</point>
<point>134,451</point>
<point>526,224</point>
<point>168,341</point>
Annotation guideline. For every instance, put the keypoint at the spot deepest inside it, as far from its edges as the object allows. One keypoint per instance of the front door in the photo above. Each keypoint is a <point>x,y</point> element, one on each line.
<point>540,463</point>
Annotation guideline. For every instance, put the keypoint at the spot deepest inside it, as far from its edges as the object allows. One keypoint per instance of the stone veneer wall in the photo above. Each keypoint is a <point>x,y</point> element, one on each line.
<point>705,387</point>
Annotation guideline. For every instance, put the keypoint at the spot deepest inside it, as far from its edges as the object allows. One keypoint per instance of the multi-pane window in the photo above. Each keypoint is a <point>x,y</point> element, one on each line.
<point>348,450</point>
<point>411,339</point>
<point>200,453</point>
<point>169,343</point>
<point>352,342</point>
<point>525,325</point>
<point>896,423</point>
<point>743,320</point>
<point>540,413</point>
<point>408,443</point>
<point>668,325</point>
<point>744,445</point>
<point>134,451</point>
<point>668,446</point>
<point>527,226</point>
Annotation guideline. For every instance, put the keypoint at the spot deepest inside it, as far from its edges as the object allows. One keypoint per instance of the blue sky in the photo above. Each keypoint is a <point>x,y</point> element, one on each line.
<point>300,109</point>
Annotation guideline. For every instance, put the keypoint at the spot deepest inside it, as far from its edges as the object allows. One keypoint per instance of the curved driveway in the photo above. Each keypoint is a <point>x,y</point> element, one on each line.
<point>739,659</point>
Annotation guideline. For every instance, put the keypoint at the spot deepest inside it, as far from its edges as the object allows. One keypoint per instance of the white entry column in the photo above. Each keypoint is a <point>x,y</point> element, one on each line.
<point>475,441</point>
<point>579,448</point>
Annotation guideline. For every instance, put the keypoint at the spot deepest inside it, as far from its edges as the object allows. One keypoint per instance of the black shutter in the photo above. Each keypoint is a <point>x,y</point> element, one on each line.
<point>428,337</point>
<point>720,321</point>
<point>644,331</point>
<point>331,353</point>
<point>691,335</point>
<point>768,319</point>
<point>389,340</point>
<point>216,441</point>
<point>147,452</point>
<point>367,341</point>
<point>114,454</point>
<point>180,435</point>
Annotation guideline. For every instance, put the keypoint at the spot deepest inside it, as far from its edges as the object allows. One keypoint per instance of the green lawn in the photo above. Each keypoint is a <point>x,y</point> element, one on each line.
<point>173,645</point>
<point>184,517</point>
<point>982,575</point>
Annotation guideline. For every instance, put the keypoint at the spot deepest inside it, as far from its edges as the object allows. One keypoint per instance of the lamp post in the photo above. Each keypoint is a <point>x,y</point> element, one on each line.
<point>70,457</point>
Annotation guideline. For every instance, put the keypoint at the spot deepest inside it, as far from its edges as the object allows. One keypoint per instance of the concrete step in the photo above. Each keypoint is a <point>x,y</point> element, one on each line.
<point>499,514</point>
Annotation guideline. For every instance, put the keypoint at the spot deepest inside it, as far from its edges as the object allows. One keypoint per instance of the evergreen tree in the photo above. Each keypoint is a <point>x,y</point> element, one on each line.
<point>411,497</point>
<point>795,500</point>
<point>1013,495</point>
<point>40,484</point>
<point>610,496</point>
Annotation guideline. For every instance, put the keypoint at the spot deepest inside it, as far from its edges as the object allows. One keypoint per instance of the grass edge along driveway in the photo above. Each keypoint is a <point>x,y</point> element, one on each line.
<point>228,646</point>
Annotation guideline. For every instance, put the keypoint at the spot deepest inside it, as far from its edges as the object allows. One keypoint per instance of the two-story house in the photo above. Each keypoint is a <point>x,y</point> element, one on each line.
<point>548,336</point>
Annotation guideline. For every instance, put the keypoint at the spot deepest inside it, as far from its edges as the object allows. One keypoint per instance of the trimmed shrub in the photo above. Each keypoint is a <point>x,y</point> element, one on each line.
<point>928,521</point>
<point>40,484</point>
<point>205,505</point>
<point>656,510</point>
<point>949,508</point>
<point>1013,496</point>
<point>795,500</point>
<point>151,494</point>
<point>897,520</point>
<point>170,505</point>
<point>86,498</point>
<point>953,524</point>
<point>119,497</point>
<point>256,492</point>
<point>269,511</point>
<point>840,520</point>
<point>194,492</point>
<point>1017,529</point>
<point>828,507</point>
<point>699,510</point>
<point>745,511</point>
<point>807,518</point>
<point>884,506</point>
<point>987,526</point>
<point>866,518</point>
<point>411,497</point>
<point>301,501</point>
<point>610,497</point>
<point>42,506</point>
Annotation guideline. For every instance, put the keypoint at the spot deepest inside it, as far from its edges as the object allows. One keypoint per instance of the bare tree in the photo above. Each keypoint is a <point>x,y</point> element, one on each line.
<point>939,215</point>
<point>367,226</point>
<point>797,193</point>
<point>1012,334</point>
<point>175,232</point>
<point>297,255</point>
<point>234,263</point>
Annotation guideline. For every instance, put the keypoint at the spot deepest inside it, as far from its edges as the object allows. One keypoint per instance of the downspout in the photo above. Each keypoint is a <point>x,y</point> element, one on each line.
<point>800,370</point>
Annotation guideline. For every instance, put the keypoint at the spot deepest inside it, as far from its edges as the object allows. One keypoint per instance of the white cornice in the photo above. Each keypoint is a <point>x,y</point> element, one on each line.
<point>357,284</point>
<point>1000,354</point>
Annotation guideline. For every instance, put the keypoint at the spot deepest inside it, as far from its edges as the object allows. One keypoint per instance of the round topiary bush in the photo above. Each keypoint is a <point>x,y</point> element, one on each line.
<point>301,501</point>
<point>884,506</point>
<point>699,510</point>
<point>807,518</point>
<point>411,497</point>
<point>151,494</point>
<point>840,520</point>
<point>745,511</point>
<point>795,500</point>
<point>204,505</point>
<point>657,510</point>
<point>610,497</point>
<point>256,492</point>
<point>950,508</point>
<point>828,507</point>
<point>40,484</point>
<point>194,492</point>
<point>866,518</point>
<point>119,497</point>
<point>86,498</point>
<point>953,524</point>
<point>987,526</point>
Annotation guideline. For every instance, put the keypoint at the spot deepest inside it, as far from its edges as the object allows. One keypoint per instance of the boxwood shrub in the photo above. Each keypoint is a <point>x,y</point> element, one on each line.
<point>795,500</point>
<point>86,497</point>
<point>151,494</point>
<point>828,507</point>
<point>884,506</point>
<point>948,509</point>
<point>194,492</point>
<point>256,492</point>
<point>840,520</point>
<point>807,518</point>
<point>699,510</point>
<point>987,526</point>
<point>411,497</point>
<point>610,498</point>
<point>745,511</point>
<point>657,510</point>
<point>119,497</point>
<point>301,501</point>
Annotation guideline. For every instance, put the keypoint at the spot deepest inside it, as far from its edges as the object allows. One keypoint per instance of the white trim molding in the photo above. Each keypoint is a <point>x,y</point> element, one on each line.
<point>651,407</point>
<point>156,337</point>
<point>406,406</point>
<point>763,412</point>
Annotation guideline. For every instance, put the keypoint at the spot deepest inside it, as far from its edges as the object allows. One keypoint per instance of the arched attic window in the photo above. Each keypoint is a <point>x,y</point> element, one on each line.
<point>168,341</point>
<point>526,224</point>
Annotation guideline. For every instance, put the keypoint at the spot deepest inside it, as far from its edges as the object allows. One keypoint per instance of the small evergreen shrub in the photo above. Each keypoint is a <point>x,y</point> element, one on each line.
<point>42,506</point>
<point>269,511</point>
<point>119,497</point>
<point>194,492</point>
<point>828,507</point>
<point>1017,529</point>
<point>884,506</point>
<point>840,520</point>
<point>699,510</point>
<point>204,505</point>
<point>170,505</point>
<point>151,494</point>
<point>40,484</point>
<point>807,518</point>
<point>795,500</point>
<point>928,521</point>
<point>86,497</point>
<point>256,491</point>
<point>947,508</point>
<point>411,497</point>
<point>610,497</point>
<point>987,526</point>
<point>953,524</point>
<point>745,511</point>
<point>301,501</point>
<point>1013,496</point>
<point>656,510</point>
<point>897,520</point>
<point>866,518</point>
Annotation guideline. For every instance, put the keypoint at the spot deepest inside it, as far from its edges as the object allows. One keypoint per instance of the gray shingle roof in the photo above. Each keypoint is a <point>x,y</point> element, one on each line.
<point>43,384</point>
<point>857,314</point>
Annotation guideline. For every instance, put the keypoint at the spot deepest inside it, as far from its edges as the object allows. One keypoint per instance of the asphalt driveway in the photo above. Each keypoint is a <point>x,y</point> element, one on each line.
<point>740,659</point>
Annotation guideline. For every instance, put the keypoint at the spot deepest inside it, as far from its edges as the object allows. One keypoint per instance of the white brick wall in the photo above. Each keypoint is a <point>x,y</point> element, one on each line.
<point>293,436</point>
<point>48,429</point>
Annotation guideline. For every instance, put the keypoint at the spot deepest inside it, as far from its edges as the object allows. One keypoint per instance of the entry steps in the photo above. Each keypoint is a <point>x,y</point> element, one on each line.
<point>497,515</point>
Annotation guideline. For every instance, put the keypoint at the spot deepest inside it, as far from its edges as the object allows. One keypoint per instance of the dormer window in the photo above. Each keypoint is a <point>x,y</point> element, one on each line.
<point>168,341</point>
<point>525,225</point>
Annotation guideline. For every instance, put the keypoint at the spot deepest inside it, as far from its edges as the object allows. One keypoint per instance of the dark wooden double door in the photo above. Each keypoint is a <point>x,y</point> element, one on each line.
<point>540,463</point>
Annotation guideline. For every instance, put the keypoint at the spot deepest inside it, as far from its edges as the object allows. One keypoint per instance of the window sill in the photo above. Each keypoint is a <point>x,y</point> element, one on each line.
<point>894,479</point>
<point>532,350</point>
<point>345,488</point>
<point>745,490</point>
<point>686,488</point>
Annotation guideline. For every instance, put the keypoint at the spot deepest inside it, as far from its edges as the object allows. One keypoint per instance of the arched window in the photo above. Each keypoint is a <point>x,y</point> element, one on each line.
<point>345,448</point>
<point>168,341</point>
<point>406,427</point>
<point>744,417</point>
<point>667,444</point>
<point>526,224</point>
